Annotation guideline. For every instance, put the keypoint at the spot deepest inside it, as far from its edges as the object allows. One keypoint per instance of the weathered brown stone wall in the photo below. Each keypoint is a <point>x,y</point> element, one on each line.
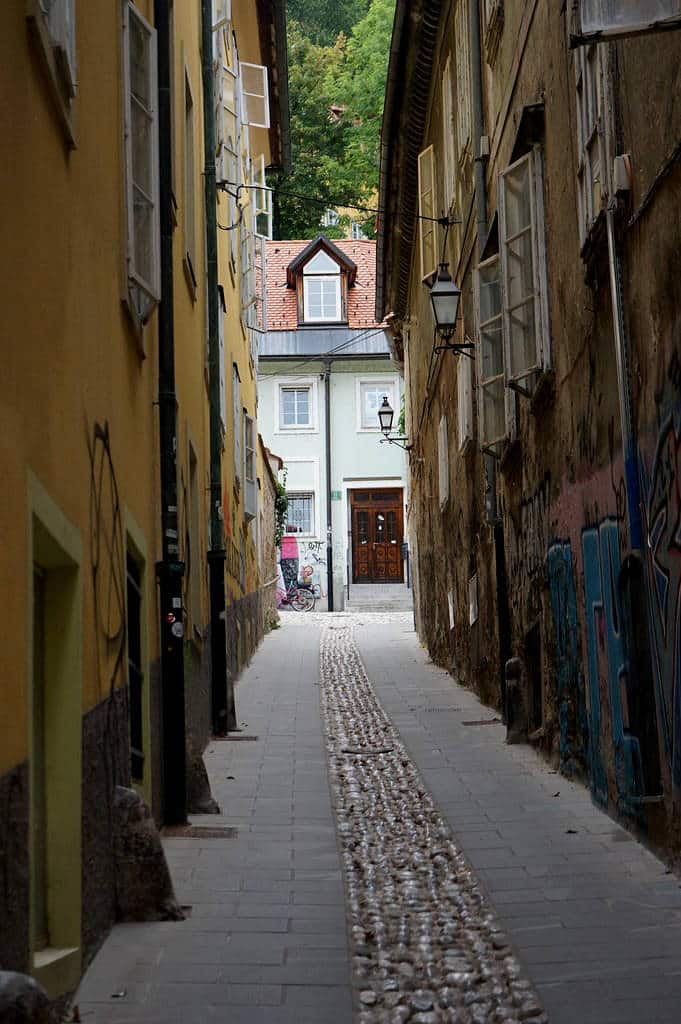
<point>593,610</point>
<point>14,869</point>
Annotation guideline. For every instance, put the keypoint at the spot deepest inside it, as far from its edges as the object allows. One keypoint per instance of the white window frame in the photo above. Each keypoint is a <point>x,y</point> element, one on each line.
<point>337,315</point>
<point>448,136</point>
<point>236,421</point>
<point>222,14</point>
<point>356,231</point>
<point>525,377</point>
<point>250,99</point>
<point>59,17</point>
<point>427,208</point>
<point>312,497</point>
<point>464,393</point>
<point>388,384</point>
<point>250,468</point>
<point>221,348</point>
<point>284,384</point>
<point>262,198</point>
<point>463,81</point>
<point>488,443</point>
<point>587,27</point>
<point>443,462</point>
<point>592,156</point>
<point>143,294</point>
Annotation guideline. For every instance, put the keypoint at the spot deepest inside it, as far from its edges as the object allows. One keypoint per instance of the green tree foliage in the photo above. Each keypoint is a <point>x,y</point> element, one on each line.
<point>336,95</point>
<point>322,21</point>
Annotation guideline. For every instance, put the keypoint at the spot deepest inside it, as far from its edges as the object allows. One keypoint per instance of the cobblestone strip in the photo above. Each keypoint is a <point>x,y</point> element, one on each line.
<point>425,948</point>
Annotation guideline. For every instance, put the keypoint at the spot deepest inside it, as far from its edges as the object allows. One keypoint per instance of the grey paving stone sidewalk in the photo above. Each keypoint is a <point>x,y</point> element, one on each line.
<point>265,942</point>
<point>593,915</point>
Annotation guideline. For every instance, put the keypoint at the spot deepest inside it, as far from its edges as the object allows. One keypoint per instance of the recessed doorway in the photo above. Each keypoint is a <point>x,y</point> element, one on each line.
<point>377,533</point>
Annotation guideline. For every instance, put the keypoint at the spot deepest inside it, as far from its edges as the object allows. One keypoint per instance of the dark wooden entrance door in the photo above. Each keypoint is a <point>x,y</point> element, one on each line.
<point>377,525</point>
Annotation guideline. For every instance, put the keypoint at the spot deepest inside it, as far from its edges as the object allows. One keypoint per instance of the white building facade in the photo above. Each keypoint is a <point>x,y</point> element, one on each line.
<point>324,369</point>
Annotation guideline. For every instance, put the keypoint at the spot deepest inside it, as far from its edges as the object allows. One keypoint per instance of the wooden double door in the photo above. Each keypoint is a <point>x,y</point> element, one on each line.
<point>377,529</point>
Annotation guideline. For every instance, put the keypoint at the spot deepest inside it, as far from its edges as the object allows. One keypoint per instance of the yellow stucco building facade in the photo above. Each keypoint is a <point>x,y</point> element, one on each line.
<point>96,289</point>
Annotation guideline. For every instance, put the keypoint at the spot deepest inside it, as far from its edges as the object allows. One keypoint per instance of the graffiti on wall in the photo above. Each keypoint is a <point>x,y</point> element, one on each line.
<point>528,539</point>
<point>572,713</point>
<point>608,668</point>
<point>662,502</point>
<point>303,560</point>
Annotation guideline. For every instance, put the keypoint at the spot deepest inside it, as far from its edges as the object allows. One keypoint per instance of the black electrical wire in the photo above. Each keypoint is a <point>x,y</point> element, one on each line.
<point>332,203</point>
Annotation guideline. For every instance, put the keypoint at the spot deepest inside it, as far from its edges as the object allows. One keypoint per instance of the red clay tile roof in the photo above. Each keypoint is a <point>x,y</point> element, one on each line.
<point>282,311</point>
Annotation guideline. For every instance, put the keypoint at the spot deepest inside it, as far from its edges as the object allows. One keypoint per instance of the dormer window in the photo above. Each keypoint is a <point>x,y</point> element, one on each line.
<point>322,290</point>
<point>321,275</point>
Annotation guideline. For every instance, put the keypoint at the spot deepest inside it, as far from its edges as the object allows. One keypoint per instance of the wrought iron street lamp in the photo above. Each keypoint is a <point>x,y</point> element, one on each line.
<point>445,297</point>
<point>385,418</point>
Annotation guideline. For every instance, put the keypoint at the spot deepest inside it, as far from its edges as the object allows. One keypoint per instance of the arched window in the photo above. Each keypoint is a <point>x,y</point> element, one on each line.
<point>322,290</point>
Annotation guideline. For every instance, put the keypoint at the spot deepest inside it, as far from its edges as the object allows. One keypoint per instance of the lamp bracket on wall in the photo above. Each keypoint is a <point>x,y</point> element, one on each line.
<point>464,348</point>
<point>401,442</point>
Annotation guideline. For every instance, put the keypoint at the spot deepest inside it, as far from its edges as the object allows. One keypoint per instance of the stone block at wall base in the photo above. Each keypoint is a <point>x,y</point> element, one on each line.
<point>14,869</point>
<point>199,797</point>
<point>106,760</point>
<point>22,1000</point>
<point>144,890</point>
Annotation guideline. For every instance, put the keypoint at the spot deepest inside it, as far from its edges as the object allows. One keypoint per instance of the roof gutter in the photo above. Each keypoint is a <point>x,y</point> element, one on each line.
<point>404,122</point>
<point>391,109</point>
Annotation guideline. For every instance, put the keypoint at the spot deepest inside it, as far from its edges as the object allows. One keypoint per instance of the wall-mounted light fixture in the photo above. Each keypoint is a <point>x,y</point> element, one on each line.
<point>445,297</point>
<point>385,418</point>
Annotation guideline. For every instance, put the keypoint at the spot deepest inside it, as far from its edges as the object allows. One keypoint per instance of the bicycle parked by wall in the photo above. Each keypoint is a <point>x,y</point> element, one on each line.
<point>300,596</point>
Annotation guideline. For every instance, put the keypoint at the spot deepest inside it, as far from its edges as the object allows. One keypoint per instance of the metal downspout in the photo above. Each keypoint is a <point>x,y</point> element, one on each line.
<point>329,516</point>
<point>490,463</point>
<point>631,476</point>
<point>170,570</point>
<point>223,713</point>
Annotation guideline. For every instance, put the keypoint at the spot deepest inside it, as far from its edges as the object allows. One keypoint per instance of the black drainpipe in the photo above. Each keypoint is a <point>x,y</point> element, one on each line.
<point>491,508</point>
<point>223,713</point>
<point>329,517</point>
<point>170,570</point>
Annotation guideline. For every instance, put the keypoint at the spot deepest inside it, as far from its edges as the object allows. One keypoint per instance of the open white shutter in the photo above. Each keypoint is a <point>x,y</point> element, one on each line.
<point>464,383</point>
<point>255,103</point>
<point>443,461</point>
<point>427,236</point>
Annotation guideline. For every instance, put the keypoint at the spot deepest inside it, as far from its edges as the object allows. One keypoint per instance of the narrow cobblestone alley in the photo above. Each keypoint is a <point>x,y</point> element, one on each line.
<point>505,897</point>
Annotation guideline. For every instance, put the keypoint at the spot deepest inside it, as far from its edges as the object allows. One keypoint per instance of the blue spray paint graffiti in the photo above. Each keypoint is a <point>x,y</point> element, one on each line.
<point>662,495</point>
<point>608,669</point>
<point>572,715</point>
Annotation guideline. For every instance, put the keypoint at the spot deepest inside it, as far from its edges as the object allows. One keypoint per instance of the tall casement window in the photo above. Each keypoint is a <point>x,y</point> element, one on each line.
<point>523,272</point>
<point>464,388</point>
<point>448,136</point>
<point>135,673</point>
<point>300,514</point>
<point>141,163</point>
<point>54,22</point>
<point>250,479</point>
<point>370,398</point>
<point>322,290</point>
<point>492,391</point>
<point>295,407</point>
<point>236,420</point>
<point>427,207</point>
<point>590,136</point>
<point>254,95</point>
<point>443,461</point>
<point>189,212</point>
<point>463,80</point>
